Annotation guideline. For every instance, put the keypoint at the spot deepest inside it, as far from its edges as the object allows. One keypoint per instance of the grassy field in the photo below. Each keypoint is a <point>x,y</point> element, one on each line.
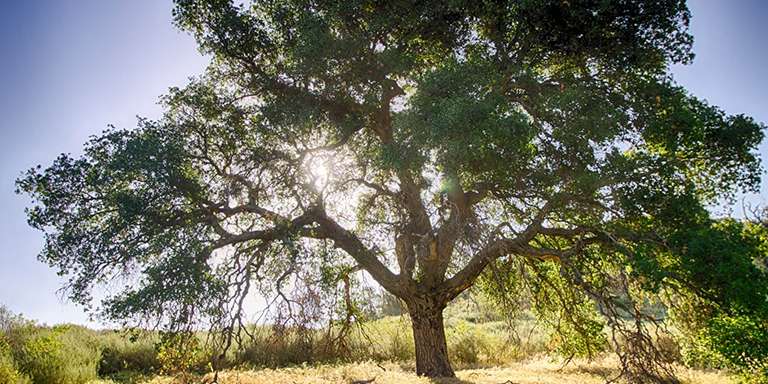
<point>482,351</point>
<point>535,371</point>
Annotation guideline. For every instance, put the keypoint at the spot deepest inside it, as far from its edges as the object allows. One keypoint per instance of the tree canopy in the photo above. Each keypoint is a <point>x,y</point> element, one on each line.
<point>431,144</point>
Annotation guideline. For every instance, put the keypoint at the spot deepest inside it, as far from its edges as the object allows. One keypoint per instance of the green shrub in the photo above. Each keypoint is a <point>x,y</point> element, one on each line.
<point>696,353</point>
<point>743,343</point>
<point>121,354</point>
<point>59,355</point>
<point>180,354</point>
<point>9,373</point>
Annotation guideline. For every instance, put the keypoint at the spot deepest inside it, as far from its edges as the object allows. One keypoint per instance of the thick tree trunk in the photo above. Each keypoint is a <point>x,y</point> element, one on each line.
<point>429,337</point>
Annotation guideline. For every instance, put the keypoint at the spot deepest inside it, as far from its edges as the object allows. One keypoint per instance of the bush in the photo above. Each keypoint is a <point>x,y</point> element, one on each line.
<point>9,373</point>
<point>743,343</point>
<point>120,354</point>
<point>180,354</point>
<point>59,355</point>
<point>696,353</point>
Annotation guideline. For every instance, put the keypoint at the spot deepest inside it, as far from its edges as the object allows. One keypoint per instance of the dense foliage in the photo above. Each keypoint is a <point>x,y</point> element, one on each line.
<point>538,142</point>
<point>30,353</point>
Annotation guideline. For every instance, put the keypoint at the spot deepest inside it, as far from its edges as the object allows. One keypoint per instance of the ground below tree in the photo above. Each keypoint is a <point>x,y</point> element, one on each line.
<point>534,371</point>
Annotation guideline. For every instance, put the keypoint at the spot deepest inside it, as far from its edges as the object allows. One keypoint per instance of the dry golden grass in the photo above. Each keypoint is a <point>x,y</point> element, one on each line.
<point>539,371</point>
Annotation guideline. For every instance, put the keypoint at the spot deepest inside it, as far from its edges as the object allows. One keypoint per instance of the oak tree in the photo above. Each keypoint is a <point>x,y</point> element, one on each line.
<point>425,144</point>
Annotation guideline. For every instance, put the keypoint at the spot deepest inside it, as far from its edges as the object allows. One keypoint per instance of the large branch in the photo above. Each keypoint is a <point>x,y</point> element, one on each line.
<point>327,229</point>
<point>367,258</point>
<point>280,230</point>
<point>498,248</point>
<point>459,204</point>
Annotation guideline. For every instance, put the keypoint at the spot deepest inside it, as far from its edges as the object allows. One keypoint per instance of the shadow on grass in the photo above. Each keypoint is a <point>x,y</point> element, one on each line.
<point>451,380</point>
<point>596,370</point>
<point>411,367</point>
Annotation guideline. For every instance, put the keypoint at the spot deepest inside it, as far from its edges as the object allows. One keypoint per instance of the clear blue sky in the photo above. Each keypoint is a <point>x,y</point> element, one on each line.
<point>67,69</point>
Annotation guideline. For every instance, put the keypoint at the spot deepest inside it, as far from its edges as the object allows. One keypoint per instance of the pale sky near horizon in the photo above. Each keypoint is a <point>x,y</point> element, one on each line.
<point>67,69</point>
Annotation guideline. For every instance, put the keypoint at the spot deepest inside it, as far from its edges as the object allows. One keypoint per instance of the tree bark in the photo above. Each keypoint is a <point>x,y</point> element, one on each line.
<point>429,338</point>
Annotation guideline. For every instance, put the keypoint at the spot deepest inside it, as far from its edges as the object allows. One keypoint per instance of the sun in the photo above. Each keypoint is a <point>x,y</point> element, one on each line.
<point>319,171</point>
